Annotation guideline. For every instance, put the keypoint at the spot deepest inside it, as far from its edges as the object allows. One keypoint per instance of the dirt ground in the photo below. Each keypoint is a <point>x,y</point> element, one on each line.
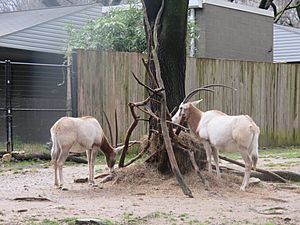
<point>145,197</point>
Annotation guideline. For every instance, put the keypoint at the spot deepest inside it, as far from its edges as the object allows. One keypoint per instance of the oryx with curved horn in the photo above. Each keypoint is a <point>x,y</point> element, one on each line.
<point>79,135</point>
<point>218,130</point>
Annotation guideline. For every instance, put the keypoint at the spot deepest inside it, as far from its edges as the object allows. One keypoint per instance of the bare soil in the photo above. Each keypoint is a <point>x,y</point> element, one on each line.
<point>142,196</point>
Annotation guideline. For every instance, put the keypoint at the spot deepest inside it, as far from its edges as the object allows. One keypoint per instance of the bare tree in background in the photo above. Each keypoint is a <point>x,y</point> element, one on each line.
<point>16,5</point>
<point>286,12</point>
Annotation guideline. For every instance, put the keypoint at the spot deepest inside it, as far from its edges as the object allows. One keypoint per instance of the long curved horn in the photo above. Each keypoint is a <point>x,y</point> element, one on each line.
<point>109,127</point>
<point>205,88</point>
<point>116,129</point>
<point>192,93</point>
<point>219,85</point>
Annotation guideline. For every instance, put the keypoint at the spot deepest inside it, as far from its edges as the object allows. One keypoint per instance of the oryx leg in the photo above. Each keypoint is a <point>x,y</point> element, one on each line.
<point>208,151</point>
<point>248,165</point>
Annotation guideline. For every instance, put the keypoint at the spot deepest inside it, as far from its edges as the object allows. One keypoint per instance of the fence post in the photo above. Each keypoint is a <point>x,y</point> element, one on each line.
<point>8,107</point>
<point>74,83</point>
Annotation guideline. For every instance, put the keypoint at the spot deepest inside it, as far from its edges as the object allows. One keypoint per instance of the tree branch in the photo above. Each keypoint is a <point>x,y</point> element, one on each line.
<point>282,11</point>
<point>154,91</point>
<point>274,175</point>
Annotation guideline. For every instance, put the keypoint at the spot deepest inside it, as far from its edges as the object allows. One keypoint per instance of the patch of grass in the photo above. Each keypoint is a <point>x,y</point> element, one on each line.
<point>129,218</point>
<point>61,207</point>
<point>18,167</point>
<point>283,164</point>
<point>286,153</point>
<point>69,221</point>
<point>44,222</point>
<point>30,147</point>
<point>32,221</point>
<point>195,222</point>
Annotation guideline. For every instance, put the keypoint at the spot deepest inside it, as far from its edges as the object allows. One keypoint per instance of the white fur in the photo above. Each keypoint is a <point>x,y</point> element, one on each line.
<point>78,135</point>
<point>217,130</point>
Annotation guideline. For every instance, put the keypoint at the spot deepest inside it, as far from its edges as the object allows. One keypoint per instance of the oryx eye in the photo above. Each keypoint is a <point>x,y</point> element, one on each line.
<point>180,110</point>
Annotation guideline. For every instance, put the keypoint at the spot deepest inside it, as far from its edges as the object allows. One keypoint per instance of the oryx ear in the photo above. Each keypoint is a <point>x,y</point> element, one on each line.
<point>194,103</point>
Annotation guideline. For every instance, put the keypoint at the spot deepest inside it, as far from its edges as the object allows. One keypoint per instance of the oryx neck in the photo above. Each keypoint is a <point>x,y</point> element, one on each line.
<point>194,118</point>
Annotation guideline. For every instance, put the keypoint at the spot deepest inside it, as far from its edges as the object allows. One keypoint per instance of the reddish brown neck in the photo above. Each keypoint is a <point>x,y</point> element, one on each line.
<point>194,118</point>
<point>108,151</point>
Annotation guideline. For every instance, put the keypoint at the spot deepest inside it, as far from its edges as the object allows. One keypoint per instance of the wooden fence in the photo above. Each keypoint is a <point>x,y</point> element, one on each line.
<point>269,93</point>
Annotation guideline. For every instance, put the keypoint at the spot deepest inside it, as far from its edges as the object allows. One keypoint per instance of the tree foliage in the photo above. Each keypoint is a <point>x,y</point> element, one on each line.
<point>118,30</point>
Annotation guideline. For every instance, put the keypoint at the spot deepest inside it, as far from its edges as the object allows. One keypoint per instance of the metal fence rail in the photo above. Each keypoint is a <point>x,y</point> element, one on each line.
<point>23,83</point>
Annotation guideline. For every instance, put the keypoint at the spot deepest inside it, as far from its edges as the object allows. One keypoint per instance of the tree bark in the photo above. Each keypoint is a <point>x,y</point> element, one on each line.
<point>172,46</point>
<point>171,54</point>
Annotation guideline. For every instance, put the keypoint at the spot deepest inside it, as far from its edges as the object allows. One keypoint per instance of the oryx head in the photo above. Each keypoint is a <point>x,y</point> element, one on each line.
<point>182,113</point>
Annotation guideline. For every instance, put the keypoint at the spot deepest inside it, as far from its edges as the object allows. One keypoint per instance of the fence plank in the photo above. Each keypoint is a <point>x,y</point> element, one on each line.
<point>269,93</point>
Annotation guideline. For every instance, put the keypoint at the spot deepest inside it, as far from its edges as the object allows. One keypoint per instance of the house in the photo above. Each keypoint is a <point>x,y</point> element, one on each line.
<point>34,40</point>
<point>40,35</point>
<point>286,44</point>
<point>232,31</point>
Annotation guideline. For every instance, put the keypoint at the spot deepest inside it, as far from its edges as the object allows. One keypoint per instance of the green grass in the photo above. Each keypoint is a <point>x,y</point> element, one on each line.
<point>44,222</point>
<point>28,148</point>
<point>286,153</point>
<point>283,164</point>
<point>21,166</point>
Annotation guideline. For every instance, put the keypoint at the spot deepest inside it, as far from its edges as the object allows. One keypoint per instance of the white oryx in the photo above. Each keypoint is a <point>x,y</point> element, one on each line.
<point>218,130</point>
<point>79,135</point>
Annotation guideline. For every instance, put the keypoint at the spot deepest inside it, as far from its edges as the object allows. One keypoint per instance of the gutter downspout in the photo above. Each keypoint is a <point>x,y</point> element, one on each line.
<point>192,17</point>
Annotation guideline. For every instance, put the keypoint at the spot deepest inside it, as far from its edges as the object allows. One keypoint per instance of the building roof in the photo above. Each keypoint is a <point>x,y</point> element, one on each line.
<point>44,30</point>
<point>286,44</point>
<point>230,5</point>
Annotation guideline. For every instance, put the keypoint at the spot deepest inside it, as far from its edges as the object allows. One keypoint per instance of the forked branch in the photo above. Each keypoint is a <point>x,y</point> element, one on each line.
<point>269,173</point>
<point>130,129</point>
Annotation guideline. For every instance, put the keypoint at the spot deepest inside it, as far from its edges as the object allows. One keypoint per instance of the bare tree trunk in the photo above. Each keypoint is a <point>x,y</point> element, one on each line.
<point>171,52</point>
<point>172,46</point>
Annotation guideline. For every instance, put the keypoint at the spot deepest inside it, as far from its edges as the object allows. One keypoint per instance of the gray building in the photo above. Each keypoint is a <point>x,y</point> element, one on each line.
<point>43,30</point>
<point>39,92</point>
<point>232,31</point>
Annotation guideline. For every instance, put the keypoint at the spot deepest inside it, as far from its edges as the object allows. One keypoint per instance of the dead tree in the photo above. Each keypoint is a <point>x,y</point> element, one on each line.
<point>169,151</point>
<point>161,139</point>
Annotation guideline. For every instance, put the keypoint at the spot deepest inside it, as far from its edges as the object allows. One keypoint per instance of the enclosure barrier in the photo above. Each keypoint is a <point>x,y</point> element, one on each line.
<point>268,92</point>
<point>14,88</point>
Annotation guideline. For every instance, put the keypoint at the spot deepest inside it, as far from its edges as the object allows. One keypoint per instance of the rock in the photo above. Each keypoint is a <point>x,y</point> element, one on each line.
<point>254,181</point>
<point>89,221</point>
<point>6,157</point>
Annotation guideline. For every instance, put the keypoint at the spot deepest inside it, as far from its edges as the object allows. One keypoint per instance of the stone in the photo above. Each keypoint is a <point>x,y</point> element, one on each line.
<point>6,157</point>
<point>254,181</point>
